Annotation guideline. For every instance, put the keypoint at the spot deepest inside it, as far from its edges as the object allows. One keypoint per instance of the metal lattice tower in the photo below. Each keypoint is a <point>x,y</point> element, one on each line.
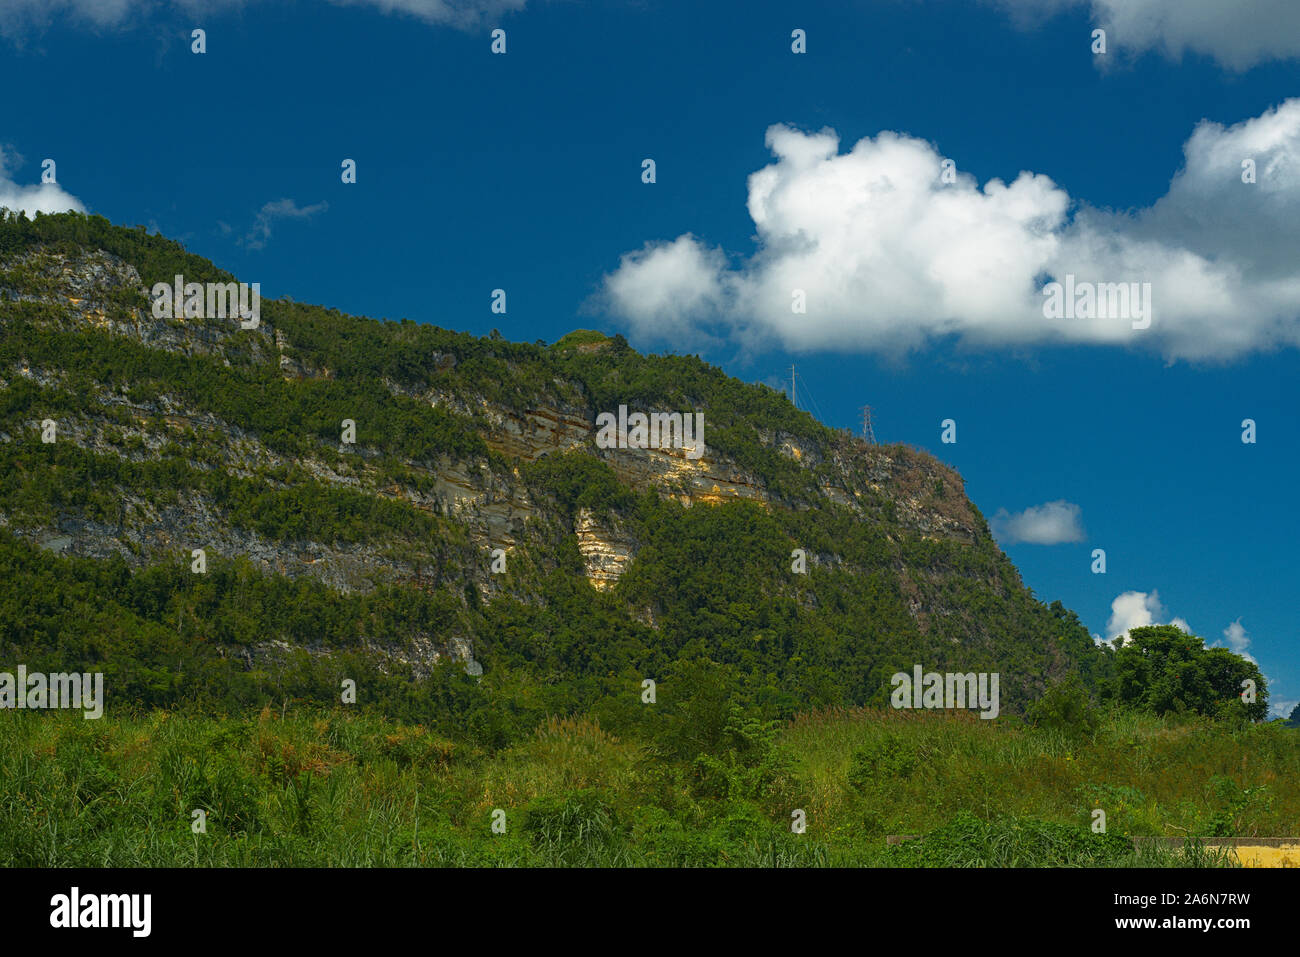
<point>867,432</point>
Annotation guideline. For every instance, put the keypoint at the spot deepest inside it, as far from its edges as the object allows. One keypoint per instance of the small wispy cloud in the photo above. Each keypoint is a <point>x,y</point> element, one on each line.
<point>1238,35</point>
<point>274,212</point>
<point>21,17</point>
<point>1052,523</point>
<point>463,14</point>
<point>1238,640</point>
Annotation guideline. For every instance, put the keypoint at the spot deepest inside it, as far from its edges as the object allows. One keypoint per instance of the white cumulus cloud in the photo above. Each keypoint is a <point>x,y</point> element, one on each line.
<point>664,285</point>
<point>890,257</point>
<point>1138,609</point>
<point>34,198</point>
<point>1049,524</point>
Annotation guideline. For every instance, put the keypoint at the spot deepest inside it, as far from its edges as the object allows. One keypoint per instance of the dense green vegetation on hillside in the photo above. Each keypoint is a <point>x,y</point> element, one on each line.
<point>289,417</point>
<point>578,651</point>
<point>155,257</point>
<point>708,584</point>
<point>39,482</point>
<point>741,648</point>
<point>362,353</point>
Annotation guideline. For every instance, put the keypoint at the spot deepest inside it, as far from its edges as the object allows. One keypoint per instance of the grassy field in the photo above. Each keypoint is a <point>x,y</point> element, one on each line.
<point>347,789</point>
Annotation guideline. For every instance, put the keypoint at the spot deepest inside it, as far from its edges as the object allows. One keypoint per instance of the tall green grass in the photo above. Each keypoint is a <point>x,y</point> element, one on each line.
<point>353,790</point>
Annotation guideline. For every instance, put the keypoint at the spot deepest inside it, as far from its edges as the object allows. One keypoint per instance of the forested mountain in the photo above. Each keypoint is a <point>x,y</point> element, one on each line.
<point>375,560</point>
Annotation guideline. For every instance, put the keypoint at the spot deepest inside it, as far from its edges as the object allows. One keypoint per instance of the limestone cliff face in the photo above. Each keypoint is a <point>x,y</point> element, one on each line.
<point>97,290</point>
<point>538,431</point>
<point>606,549</point>
<point>490,504</point>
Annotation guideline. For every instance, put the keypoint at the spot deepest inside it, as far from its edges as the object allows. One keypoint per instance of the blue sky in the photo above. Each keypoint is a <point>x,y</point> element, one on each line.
<point>523,171</point>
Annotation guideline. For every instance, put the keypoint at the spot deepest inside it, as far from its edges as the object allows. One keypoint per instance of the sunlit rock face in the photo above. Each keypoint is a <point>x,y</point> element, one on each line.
<point>606,550</point>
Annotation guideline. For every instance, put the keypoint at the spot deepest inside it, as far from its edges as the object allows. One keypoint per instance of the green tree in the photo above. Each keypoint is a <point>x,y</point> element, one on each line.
<point>1165,670</point>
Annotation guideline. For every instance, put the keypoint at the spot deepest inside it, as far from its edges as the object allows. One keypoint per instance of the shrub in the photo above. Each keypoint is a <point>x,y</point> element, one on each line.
<point>1065,707</point>
<point>888,757</point>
